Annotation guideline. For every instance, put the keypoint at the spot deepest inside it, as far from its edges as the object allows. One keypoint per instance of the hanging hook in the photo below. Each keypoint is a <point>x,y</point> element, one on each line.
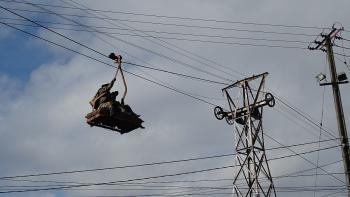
<point>118,60</point>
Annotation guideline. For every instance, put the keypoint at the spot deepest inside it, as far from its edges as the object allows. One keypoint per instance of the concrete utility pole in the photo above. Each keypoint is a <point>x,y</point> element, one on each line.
<point>335,81</point>
<point>253,177</point>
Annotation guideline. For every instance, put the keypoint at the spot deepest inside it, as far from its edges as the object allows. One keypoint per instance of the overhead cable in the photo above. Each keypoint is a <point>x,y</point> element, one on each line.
<point>152,177</point>
<point>169,24</point>
<point>151,31</point>
<point>136,75</point>
<point>155,163</point>
<point>175,17</point>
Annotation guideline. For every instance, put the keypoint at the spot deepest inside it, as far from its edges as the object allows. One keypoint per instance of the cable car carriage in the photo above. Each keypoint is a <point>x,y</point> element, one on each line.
<point>111,114</point>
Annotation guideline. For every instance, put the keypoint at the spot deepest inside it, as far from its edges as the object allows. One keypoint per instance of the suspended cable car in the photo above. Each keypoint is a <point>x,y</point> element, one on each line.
<point>109,113</point>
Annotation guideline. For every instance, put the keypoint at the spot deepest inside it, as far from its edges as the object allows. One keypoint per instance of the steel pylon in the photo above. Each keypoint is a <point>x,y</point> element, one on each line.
<point>253,177</point>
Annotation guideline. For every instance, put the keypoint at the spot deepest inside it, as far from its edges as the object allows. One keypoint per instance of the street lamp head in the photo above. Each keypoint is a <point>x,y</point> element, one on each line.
<point>342,77</point>
<point>320,77</point>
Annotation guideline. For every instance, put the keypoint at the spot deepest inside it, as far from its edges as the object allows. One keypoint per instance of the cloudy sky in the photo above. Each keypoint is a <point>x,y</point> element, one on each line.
<point>45,91</point>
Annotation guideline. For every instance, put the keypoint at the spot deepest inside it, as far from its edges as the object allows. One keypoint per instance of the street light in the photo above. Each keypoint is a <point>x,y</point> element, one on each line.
<point>320,77</point>
<point>341,79</point>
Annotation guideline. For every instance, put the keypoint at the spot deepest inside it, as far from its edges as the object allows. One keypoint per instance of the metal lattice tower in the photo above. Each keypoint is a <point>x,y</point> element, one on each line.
<point>252,165</point>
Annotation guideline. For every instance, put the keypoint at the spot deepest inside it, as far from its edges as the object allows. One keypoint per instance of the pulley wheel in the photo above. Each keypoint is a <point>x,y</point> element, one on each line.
<point>230,120</point>
<point>270,99</point>
<point>219,113</point>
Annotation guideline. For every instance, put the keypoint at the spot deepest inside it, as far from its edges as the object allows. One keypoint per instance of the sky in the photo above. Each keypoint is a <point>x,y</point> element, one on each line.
<point>45,91</point>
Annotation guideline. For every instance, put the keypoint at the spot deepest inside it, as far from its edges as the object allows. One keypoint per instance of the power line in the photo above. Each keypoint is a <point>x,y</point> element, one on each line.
<point>70,39</point>
<point>305,158</point>
<point>152,31</point>
<point>345,39</point>
<point>341,54</point>
<point>155,163</point>
<point>179,50</point>
<point>305,117</point>
<point>170,24</point>
<point>109,43</point>
<point>203,194</point>
<point>306,170</point>
<point>176,17</point>
<point>341,46</point>
<point>151,182</point>
<point>320,135</point>
<point>192,40</point>
<point>137,46</point>
<point>344,62</point>
<point>152,177</point>
<point>179,74</point>
<point>139,76</point>
<point>293,119</point>
<point>53,31</point>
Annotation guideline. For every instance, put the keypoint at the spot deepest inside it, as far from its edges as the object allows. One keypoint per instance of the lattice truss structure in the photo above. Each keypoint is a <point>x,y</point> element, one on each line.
<point>246,117</point>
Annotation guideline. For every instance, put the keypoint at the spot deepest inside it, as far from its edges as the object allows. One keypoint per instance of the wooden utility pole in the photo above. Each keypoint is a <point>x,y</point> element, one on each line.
<point>327,43</point>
